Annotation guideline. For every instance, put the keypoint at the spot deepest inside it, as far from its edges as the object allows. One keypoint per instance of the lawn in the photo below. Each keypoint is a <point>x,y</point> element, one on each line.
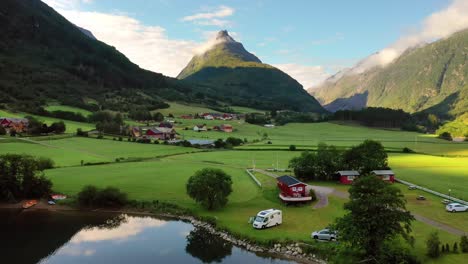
<point>71,126</point>
<point>178,109</point>
<point>66,108</point>
<point>436,173</point>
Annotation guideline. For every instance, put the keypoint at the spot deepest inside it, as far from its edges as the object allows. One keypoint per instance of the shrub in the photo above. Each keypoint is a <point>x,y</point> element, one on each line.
<point>38,187</point>
<point>100,136</point>
<point>120,138</point>
<point>455,247</point>
<point>464,244</point>
<point>292,147</point>
<point>156,142</point>
<point>313,195</point>
<point>2,131</point>
<point>395,253</point>
<point>407,150</point>
<point>433,245</point>
<point>91,196</point>
<point>234,141</point>
<point>81,133</point>
<point>445,135</point>
<point>44,163</point>
<point>269,143</point>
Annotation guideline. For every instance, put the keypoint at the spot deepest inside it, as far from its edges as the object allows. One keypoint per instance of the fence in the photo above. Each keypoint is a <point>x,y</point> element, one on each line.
<point>433,192</point>
<point>254,178</point>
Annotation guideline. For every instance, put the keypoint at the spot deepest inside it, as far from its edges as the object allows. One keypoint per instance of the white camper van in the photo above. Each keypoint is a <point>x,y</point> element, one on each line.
<point>268,218</point>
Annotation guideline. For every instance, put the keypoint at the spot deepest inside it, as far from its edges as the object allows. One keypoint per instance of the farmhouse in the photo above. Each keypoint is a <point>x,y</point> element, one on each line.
<point>292,190</point>
<point>347,177</point>
<point>16,124</point>
<point>386,175</point>
<point>163,133</point>
<point>200,128</point>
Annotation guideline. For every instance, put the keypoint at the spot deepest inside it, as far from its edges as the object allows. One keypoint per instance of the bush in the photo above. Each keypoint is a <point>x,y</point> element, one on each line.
<point>81,133</point>
<point>292,148</point>
<point>395,253</point>
<point>44,163</point>
<point>38,187</point>
<point>91,196</point>
<point>234,141</point>
<point>100,136</point>
<point>2,131</point>
<point>156,142</point>
<point>464,244</point>
<point>120,138</point>
<point>446,136</point>
<point>433,245</point>
<point>407,150</point>
<point>313,195</point>
<point>455,247</point>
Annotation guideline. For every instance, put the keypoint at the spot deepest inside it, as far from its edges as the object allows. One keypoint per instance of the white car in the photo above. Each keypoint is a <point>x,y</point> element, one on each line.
<point>456,207</point>
<point>324,234</point>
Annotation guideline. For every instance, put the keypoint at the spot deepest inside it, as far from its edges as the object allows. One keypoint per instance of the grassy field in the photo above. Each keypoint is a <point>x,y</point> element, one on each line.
<point>178,109</point>
<point>70,151</point>
<point>70,125</point>
<point>57,107</point>
<point>436,173</point>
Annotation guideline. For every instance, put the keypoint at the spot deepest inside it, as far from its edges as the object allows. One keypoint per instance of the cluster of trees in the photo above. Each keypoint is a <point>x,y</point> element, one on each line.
<point>210,187</point>
<point>36,127</point>
<point>21,177</point>
<point>375,221</point>
<point>322,164</point>
<point>144,114</point>
<point>376,117</point>
<point>91,196</point>
<point>107,122</point>
<point>285,117</point>
<point>257,118</point>
<point>435,248</point>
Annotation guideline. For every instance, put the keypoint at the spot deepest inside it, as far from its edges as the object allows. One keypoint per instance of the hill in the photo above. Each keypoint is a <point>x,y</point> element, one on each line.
<point>431,78</point>
<point>44,57</point>
<point>228,70</point>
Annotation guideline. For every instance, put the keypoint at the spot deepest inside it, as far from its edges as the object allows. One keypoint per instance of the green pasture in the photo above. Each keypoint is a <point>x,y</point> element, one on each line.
<point>437,173</point>
<point>70,125</point>
<point>66,108</point>
<point>178,109</point>
<point>70,151</point>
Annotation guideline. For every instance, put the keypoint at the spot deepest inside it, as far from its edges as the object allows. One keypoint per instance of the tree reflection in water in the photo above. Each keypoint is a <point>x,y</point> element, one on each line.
<point>207,247</point>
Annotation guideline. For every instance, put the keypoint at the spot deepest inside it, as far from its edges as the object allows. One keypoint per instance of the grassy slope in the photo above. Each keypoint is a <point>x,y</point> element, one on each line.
<point>55,107</point>
<point>70,125</point>
<point>457,127</point>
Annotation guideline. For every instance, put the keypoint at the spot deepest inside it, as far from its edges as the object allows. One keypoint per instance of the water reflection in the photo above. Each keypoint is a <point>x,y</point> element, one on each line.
<point>206,247</point>
<point>69,237</point>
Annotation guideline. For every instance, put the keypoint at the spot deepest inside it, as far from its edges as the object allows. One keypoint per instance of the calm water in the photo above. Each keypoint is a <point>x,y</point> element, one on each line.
<point>70,237</point>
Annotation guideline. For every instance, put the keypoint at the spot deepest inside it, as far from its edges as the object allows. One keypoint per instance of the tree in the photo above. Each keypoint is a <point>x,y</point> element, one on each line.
<point>464,244</point>
<point>57,127</point>
<point>234,141</point>
<point>303,166</point>
<point>292,147</point>
<point>366,157</point>
<point>455,247</point>
<point>158,117</point>
<point>210,187</point>
<point>433,245</point>
<point>377,214</point>
<point>207,247</point>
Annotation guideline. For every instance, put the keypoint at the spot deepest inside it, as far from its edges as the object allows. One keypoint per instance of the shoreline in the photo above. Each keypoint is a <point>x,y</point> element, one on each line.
<point>287,251</point>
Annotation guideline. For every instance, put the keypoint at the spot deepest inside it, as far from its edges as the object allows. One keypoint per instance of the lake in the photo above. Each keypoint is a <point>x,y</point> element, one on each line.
<point>85,237</point>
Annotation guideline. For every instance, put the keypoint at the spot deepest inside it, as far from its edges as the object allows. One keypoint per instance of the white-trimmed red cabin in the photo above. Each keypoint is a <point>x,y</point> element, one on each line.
<point>292,190</point>
<point>386,175</point>
<point>347,177</point>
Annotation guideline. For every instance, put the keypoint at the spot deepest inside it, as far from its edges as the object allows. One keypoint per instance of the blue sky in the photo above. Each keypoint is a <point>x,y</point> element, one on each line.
<point>320,36</point>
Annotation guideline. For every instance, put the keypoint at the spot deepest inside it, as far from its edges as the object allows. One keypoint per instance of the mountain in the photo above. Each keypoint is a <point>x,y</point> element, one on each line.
<point>87,32</point>
<point>44,57</point>
<point>431,78</point>
<point>229,71</point>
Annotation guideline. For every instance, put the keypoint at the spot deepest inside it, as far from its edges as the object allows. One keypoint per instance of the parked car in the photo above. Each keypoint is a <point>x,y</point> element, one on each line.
<point>411,187</point>
<point>456,207</point>
<point>421,198</point>
<point>325,234</point>
<point>445,201</point>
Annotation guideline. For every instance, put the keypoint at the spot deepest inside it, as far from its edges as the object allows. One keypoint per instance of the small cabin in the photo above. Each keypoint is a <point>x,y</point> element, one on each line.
<point>199,128</point>
<point>347,177</point>
<point>292,190</point>
<point>386,175</point>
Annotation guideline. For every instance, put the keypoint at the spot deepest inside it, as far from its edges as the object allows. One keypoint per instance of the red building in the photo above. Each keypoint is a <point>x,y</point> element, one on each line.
<point>162,133</point>
<point>292,190</point>
<point>386,175</point>
<point>347,177</point>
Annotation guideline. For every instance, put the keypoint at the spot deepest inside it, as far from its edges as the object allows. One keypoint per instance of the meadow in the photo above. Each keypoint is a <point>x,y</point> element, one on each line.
<point>66,108</point>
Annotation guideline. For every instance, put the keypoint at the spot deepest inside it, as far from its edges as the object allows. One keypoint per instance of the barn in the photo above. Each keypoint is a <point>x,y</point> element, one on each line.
<point>162,133</point>
<point>386,175</point>
<point>347,177</point>
<point>292,190</point>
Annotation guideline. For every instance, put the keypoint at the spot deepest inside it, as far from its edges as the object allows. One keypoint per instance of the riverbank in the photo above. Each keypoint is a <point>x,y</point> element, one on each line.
<point>289,251</point>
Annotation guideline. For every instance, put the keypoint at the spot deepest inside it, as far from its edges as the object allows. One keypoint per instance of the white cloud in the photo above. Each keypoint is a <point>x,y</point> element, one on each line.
<point>132,226</point>
<point>308,76</point>
<point>212,18</point>
<point>438,25</point>
<point>147,46</point>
